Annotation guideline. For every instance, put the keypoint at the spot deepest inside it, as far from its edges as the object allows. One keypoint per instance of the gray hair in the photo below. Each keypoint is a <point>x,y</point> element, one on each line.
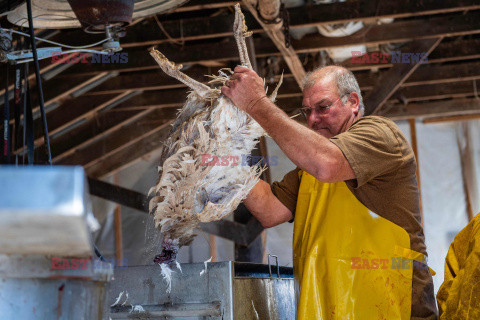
<point>344,78</point>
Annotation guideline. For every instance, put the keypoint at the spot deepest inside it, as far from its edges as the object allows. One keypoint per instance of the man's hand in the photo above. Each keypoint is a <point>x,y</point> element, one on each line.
<point>245,88</point>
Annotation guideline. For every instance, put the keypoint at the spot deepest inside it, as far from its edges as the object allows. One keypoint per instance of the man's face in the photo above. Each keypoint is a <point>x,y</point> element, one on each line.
<point>331,121</point>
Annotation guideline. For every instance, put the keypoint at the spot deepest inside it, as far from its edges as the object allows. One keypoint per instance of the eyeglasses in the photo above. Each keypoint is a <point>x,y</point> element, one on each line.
<point>322,109</point>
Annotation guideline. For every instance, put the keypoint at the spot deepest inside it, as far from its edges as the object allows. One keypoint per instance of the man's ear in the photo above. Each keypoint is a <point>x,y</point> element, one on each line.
<point>355,101</point>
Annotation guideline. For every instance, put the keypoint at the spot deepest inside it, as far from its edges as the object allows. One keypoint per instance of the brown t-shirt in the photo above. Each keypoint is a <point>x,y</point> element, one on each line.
<point>385,170</point>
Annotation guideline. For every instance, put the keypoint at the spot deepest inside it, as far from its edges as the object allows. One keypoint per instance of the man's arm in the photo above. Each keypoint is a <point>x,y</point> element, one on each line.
<point>305,147</point>
<point>263,204</point>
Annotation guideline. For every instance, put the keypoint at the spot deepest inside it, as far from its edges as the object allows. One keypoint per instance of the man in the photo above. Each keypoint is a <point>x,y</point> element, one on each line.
<point>349,264</point>
<point>459,295</point>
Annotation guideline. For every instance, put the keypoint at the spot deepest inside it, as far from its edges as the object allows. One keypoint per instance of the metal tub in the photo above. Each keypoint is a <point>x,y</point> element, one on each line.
<point>226,290</point>
<point>46,265</point>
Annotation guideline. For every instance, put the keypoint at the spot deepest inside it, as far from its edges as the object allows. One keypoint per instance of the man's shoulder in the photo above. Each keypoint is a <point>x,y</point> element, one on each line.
<point>376,121</point>
<point>378,126</point>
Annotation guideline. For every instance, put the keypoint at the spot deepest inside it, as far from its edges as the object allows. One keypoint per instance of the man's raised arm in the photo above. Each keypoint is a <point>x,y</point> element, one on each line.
<point>263,204</point>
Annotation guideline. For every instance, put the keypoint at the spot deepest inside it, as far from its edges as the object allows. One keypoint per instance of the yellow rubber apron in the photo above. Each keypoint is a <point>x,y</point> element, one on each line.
<point>343,255</point>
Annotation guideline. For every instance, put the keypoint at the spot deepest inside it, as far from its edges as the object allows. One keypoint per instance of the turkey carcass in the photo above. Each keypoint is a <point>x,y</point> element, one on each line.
<point>189,189</point>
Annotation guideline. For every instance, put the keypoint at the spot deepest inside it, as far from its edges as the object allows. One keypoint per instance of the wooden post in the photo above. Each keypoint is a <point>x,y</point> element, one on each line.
<point>213,247</point>
<point>254,252</point>
<point>413,135</point>
<point>468,168</point>
<point>118,232</point>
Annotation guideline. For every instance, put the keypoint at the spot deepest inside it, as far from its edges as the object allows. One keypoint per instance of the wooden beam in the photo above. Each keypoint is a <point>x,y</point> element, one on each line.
<point>455,107</point>
<point>212,241</point>
<point>239,233</point>
<point>252,250</point>
<point>465,143</point>
<point>393,79</point>
<point>426,92</point>
<point>100,147</point>
<point>72,119</point>
<point>396,32</point>
<point>118,231</point>
<point>413,136</point>
<point>45,67</point>
<point>125,157</point>
<point>195,5</point>
<point>57,92</point>
<point>423,80</point>
<point>357,9</point>
<point>444,73</point>
<point>150,100</point>
<point>220,25</point>
<point>365,10</point>
<point>270,9</point>
<point>68,111</point>
<point>289,97</point>
<point>447,51</point>
<point>85,118</point>
<point>150,80</point>
<point>96,128</point>
<point>117,194</point>
<point>455,50</point>
<point>225,50</point>
<point>466,164</point>
<point>466,117</point>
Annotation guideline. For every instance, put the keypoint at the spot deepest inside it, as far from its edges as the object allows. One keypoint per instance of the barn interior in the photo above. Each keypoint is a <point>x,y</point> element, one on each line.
<point>87,110</point>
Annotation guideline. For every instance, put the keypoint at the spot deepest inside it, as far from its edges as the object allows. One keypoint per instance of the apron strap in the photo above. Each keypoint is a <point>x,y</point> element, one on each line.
<point>413,255</point>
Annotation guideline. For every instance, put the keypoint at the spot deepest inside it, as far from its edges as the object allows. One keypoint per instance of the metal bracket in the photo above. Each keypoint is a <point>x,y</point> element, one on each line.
<point>270,267</point>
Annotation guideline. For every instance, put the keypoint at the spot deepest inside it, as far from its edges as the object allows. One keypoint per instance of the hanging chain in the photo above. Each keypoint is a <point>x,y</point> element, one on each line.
<point>286,24</point>
<point>284,17</point>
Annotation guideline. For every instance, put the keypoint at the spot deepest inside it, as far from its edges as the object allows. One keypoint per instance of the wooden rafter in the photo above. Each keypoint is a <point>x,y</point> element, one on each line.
<point>446,108</point>
<point>225,50</point>
<point>270,9</point>
<point>393,79</point>
<point>426,92</point>
<point>300,17</point>
<point>441,119</point>
<point>125,157</point>
<point>72,120</point>
<point>95,138</point>
<point>152,141</point>
<point>129,131</point>
<point>420,86</point>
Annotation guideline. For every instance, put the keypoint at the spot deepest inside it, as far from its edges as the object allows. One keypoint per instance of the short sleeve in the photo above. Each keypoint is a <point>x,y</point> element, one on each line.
<point>372,147</point>
<point>287,190</point>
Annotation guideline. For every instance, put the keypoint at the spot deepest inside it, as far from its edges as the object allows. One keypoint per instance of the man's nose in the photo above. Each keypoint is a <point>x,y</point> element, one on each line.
<point>315,117</point>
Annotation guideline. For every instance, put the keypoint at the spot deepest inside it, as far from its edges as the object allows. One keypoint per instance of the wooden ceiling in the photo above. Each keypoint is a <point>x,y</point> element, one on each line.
<point>107,116</point>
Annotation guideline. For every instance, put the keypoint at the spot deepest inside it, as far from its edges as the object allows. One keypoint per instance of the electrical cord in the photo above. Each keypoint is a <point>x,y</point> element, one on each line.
<point>66,52</point>
<point>39,80</point>
<point>60,44</point>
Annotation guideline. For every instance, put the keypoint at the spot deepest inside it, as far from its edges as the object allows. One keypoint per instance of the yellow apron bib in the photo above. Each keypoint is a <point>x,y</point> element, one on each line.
<point>342,257</point>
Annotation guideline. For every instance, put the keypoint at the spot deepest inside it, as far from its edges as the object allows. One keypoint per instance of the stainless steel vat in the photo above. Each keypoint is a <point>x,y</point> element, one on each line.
<point>226,290</point>
<point>46,267</point>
